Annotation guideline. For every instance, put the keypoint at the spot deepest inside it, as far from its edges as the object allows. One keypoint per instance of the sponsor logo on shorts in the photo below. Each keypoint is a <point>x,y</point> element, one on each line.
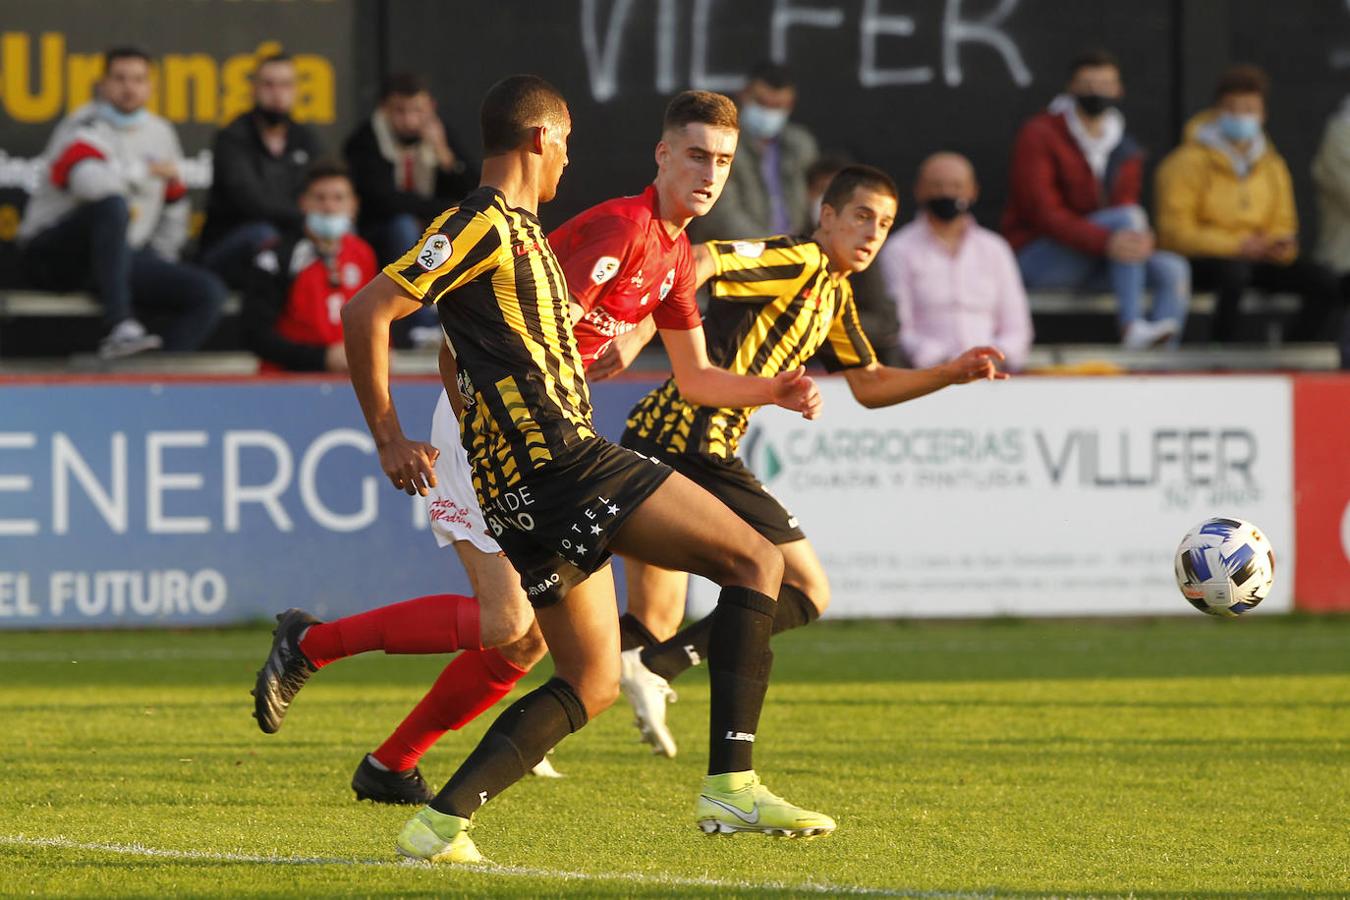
<point>541,587</point>
<point>448,512</point>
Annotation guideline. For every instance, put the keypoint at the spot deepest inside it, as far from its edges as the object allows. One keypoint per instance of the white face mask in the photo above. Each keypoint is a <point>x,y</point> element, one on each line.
<point>762,122</point>
<point>328,226</point>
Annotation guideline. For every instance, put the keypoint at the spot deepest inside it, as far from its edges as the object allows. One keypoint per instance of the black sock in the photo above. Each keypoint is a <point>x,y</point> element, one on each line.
<point>514,744</point>
<point>632,633</point>
<point>739,661</point>
<point>671,658</point>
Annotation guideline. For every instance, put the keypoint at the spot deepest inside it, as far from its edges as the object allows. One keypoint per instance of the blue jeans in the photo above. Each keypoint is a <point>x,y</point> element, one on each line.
<point>1046,263</point>
<point>231,256</point>
<point>88,250</point>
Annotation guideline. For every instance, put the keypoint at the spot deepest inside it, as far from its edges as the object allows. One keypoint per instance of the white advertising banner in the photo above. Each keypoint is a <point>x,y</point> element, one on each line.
<point>1034,496</point>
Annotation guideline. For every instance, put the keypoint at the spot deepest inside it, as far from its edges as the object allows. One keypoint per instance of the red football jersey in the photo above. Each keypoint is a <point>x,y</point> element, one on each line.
<point>319,290</point>
<point>622,266</point>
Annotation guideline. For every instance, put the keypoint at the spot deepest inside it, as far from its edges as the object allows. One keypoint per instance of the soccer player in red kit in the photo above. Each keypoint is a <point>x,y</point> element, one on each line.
<point>629,270</point>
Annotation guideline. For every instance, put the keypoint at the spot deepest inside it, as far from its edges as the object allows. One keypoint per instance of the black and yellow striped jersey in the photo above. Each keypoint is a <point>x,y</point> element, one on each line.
<point>503,302</point>
<point>774,306</point>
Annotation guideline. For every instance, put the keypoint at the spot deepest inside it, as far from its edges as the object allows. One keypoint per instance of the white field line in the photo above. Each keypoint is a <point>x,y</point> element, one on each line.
<point>60,843</point>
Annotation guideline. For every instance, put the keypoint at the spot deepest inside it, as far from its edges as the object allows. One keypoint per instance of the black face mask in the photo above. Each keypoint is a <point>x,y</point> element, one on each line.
<point>270,116</point>
<point>1093,105</point>
<point>944,209</point>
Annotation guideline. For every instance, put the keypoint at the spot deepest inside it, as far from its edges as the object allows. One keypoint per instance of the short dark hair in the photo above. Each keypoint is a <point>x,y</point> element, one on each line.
<point>1095,58</point>
<point>403,84</point>
<point>513,106</point>
<point>700,107</point>
<point>1242,79</point>
<point>855,176</point>
<point>270,59</point>
<point>775,75</point>
<point>125,52</point>
<point>324,169</point>
<point>830,165</point>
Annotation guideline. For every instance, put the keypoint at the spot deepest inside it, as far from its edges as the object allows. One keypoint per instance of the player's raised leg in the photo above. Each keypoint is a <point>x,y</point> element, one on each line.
<point>646,673</point>
<point>467,687</point>
<point>804,596</point>
<point>684,528</point>
<point>583,634</point>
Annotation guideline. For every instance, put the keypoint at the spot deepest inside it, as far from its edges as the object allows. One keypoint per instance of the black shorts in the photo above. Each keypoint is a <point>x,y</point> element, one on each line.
<point>730,481</point>
<point>555,525</point>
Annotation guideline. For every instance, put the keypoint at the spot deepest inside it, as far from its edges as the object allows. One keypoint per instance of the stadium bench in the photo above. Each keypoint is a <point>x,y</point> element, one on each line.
<point>1269,308</point>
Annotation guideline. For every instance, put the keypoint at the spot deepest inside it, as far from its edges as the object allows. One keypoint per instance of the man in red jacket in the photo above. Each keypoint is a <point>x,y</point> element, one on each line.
<point>1073,213</point>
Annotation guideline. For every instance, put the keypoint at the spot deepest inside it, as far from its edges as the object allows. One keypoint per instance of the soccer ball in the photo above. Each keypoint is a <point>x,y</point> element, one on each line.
<point>1225,567</point>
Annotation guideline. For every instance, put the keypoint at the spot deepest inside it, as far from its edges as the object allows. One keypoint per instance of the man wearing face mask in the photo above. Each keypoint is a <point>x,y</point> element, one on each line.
<point>1226,199</point>
<point>954,283</point>
<point>407,170</point>
<point>258,167</point>
<point>766,192</point>
<point>111,216</point>
<point>295,290</point>
<point>1073,214</point>
<point>406,167</point>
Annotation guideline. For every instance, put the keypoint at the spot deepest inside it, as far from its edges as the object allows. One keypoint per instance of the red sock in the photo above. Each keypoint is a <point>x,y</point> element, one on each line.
<point>468,686</point>
<point>440,623</point>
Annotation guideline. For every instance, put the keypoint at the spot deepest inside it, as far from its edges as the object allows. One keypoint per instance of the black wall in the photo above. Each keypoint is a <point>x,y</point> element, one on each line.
<point>1171,51</point>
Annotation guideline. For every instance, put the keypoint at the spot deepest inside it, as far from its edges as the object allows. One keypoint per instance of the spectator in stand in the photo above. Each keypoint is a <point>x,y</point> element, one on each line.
<point>876,313</point>
<point>954,283</point>
<point>259,164</point>
<point>1331,172</point>
<point>111,216</point>
<point>1073,215</point>
<point>295,290</point>
<point>406,168</point>
<point>1226,200</point>
<point>766,191</point>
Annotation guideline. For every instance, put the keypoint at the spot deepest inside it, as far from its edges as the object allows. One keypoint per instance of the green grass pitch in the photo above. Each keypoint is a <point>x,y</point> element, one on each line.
<point>1183,757</point>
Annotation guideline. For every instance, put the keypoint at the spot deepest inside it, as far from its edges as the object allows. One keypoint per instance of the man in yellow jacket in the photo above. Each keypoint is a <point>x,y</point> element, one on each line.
<point>1225,199</point>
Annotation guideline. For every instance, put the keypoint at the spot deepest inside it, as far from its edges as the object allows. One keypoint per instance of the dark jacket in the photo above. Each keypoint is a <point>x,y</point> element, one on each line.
<point>249,184</point>
<point>1052,189</point>
<point>375,181</point>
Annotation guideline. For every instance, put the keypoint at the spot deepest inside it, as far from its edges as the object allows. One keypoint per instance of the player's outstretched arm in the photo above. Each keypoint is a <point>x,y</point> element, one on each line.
<point>410,465</point>
<point>702,383</point>
<point>876,386</point>
<point>621,351</point>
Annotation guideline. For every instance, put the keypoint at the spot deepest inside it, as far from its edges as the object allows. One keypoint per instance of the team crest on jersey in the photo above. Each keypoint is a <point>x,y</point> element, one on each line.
<point>435,251</point>
<point>606,267</point>
<point>749,249</point>
<point>666,284</point>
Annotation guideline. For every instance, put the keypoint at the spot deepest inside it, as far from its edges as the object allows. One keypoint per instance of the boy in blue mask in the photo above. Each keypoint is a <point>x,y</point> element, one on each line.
<point>295,290</point>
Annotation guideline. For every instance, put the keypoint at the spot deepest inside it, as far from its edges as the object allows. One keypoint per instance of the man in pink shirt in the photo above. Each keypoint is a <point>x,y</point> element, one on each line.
<point>954,283</point>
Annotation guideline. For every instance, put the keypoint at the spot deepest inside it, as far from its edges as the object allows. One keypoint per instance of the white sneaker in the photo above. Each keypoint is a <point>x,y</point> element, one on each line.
<point>128,337</point>
<point>544,768</point>
<point>1142,334</point>
<point>648,694</point>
